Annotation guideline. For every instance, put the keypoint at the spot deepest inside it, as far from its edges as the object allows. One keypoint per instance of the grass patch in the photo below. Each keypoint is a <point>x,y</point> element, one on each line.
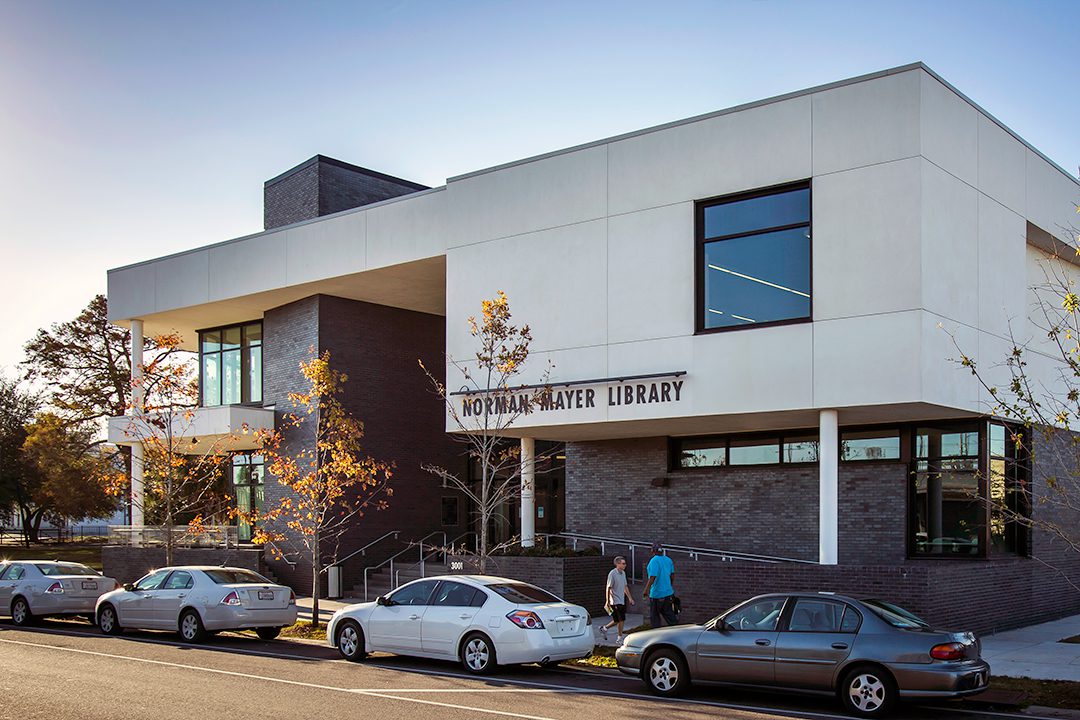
<point>85,553</point>
<point>1050,693</point>
<point>303,630</point>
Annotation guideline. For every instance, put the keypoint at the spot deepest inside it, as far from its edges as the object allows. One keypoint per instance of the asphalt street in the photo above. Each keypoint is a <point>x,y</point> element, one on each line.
<point>66,670</point>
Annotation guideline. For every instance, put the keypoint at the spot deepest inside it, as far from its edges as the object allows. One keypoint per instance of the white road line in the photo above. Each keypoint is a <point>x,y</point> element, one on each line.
<point>456,707</point>
<point>577,691</point>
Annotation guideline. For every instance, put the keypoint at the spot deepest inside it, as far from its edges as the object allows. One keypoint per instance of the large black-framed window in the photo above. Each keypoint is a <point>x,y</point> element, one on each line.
<point>230,365</point>
<point>754,259</point>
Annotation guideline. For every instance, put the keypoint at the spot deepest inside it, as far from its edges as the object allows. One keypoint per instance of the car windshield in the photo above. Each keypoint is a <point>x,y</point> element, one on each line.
<point>54,569</point>
<point>523,594</point>
<point>895,615</point>
<point>223,576</point>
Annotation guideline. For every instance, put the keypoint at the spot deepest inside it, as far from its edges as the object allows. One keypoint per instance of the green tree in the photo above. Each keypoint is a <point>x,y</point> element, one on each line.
<point>18,480</point>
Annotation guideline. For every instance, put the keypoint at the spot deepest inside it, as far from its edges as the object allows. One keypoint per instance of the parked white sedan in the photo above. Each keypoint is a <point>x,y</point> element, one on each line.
<point>482,621</point>
<point>196,600</point>
<point>37,588</point>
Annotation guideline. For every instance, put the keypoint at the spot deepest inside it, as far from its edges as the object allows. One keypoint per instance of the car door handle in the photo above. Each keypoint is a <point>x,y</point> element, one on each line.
<point>839,646</point>
<point>181,596</point>
<point>763,642</point>
<point>464,616</point>
<point>414,617</point>
<point>147,596</point>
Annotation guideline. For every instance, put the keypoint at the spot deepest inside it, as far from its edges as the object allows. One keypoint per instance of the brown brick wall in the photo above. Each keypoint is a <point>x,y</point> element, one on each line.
<point>125,563</point>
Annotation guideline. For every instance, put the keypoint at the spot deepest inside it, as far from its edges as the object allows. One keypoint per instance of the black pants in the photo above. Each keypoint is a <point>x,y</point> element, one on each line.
<point>662,607</point>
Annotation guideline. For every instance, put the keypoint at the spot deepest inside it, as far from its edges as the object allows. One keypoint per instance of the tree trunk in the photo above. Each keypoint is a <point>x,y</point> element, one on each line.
<point>315,586</point>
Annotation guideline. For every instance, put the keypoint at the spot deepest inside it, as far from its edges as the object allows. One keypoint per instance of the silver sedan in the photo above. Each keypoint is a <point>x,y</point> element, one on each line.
<point>197,600</point>
<point>870,653</point>
<point>31,589</point>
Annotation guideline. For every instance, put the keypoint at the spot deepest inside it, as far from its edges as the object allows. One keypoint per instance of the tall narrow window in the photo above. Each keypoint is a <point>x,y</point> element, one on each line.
<point>949,513</point>
<point>754,259</point>
<point>231,365</point>
<point>1010,498</point>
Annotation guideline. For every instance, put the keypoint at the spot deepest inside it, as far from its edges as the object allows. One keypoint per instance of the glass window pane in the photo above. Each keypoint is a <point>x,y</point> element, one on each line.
<point>253,334</point>
<point>702,453</point>
<point>948,513</point>
<point>871,445</point>
<point>758,213</point>
<point>800,450</point>
<point>997,440</point>
<point>851,620</point>
<point>211,379</point>
<point>761,615</point>
<point>230,389</point>
<point>211,341</point>
<point>754,452</point>
<point>255,374</point>
<point>933,442</point>
<point>757,279</point>
<point>816,616</point>
<point>230,338</point>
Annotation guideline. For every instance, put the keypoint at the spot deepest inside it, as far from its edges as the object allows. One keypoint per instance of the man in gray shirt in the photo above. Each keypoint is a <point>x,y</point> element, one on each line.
<point>616,596</point>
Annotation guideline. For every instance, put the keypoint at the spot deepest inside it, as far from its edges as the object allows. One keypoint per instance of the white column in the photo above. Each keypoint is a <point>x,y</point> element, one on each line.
<point>828,484</point>
<point>137,396</point>
<point>528,496</point>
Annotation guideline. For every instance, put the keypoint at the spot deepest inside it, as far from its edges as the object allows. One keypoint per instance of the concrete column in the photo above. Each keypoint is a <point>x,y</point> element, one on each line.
<point>138,395</point>
<point>528,494</point>
<point>828,487</point>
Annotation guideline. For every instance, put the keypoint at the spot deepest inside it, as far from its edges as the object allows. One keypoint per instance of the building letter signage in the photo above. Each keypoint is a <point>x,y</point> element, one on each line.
<point>569,398</point>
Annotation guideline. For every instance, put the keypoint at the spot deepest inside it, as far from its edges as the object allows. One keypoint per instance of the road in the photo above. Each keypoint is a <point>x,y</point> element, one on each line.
<point>66,670</point>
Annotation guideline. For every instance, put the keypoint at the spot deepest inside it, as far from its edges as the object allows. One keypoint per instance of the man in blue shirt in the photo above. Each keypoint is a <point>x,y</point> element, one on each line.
<point>658,588</point>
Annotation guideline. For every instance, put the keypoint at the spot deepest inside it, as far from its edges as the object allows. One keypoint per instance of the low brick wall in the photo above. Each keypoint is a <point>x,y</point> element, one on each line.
<point>126,563</point>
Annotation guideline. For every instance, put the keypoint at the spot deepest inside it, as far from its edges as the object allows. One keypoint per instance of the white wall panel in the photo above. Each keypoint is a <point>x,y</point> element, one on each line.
<point>949,130</point>
<point>1002,166</point>
<point>866,244</point>
<point>758,147</point>
<point>182,280</point>
<point>403,231</point>
<point>247,266</point>
<point>650,282</point>
<point>556,191</point>
<point>867,360</point>
<point>950,245</point>
<point>326,249</point>
<point>132,291</point>
<point>1052,199</point>
<point>867,123</point>
<point>944,380</point>
<point>1002,252</point>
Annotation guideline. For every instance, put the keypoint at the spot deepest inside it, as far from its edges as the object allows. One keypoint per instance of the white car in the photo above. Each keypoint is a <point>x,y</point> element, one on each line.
<point>481,620</point>
<point>196,600</point>
<point>37,588</point>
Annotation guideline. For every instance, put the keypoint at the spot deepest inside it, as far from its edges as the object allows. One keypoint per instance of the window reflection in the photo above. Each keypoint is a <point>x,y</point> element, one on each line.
<point>231,362</point>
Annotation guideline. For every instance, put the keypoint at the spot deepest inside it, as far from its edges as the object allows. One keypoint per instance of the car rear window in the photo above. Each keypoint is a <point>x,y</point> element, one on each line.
<point>895,615</point>
<point>52,570</point>
<point>523,593</point>
<point>227,577</point>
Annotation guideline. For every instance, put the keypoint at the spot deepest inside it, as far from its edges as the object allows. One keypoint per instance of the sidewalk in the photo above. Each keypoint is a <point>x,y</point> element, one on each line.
<point>632,621</point>
<point>326,608</point>
<point>1035,651</point>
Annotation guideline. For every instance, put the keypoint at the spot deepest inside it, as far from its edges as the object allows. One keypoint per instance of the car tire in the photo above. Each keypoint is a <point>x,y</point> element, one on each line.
<point>350,641</point>
<point>478,654</point>
<point>666,673</point>
<point>20,612</point>
<point>869,691</point>
<point>107,621</point>
<point>190,627</point>
<point>267,633</point>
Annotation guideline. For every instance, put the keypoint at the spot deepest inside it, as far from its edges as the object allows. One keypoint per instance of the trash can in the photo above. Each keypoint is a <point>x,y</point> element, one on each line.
<point>333,581</point>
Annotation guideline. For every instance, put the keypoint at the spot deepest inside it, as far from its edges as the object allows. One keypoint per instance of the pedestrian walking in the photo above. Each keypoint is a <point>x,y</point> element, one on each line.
<point>617,596</point>
<point>659,588</point>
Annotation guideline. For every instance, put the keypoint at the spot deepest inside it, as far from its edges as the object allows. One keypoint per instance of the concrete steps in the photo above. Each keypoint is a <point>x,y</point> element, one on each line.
<point>381,582</point>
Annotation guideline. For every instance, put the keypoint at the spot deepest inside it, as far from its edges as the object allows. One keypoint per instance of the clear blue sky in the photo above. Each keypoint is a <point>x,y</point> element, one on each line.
<point>130,130</point>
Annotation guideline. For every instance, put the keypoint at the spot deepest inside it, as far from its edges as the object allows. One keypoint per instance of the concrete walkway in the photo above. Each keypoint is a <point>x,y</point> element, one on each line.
<point>1035,651</point>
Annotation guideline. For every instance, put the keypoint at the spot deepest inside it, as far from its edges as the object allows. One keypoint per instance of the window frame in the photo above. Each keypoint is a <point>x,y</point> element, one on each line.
<point>700,241</point>
<point>245,364</point>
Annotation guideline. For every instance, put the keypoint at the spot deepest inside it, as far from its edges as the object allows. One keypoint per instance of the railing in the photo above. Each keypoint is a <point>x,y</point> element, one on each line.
<point>78,533</point>
<point>226,536</point>
<point>694,553</point>
<point>390,560</point>
<point>363,550</point>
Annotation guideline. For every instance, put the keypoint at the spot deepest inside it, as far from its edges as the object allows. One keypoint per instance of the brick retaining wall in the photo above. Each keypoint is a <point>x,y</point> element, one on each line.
<point>126,563</point>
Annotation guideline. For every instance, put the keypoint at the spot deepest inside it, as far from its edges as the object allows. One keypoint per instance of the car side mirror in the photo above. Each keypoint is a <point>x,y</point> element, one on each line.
<point>129,586</point>
<point>384,601</point>
<point>721,626</point>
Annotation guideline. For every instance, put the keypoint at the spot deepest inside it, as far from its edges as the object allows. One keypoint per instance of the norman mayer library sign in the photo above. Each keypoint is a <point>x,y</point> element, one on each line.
<point>575,395</point>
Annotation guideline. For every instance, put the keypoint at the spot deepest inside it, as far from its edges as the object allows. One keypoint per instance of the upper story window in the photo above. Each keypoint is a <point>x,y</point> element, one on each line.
<point>753,253</point>
<point>230,364</point>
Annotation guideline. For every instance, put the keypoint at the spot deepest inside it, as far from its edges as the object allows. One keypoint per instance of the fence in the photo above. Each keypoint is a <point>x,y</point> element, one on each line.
<point>225,536</point>
<point>80,533</point>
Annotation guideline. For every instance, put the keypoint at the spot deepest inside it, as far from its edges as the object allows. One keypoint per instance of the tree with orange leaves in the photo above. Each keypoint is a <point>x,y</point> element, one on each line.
<point>329,482</point>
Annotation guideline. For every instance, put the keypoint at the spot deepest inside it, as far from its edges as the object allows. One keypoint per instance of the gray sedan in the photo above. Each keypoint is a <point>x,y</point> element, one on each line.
<point>31,589</point>
<point>197,600</point>
<point>868,652</point>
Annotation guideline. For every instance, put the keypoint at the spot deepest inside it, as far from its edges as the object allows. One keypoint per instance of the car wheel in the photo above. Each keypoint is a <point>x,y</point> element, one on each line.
<point>868,692</point>
<point>20,612</point>
<point>268,633</point>
<point>350,641</point>
<point>666,673</point>
<point>191,627</point>
<point>107,621</point>
<point>478,654</point>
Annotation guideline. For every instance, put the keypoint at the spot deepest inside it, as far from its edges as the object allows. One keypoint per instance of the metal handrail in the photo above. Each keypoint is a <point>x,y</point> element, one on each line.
<point>391,559</point>
<point>363,550</point>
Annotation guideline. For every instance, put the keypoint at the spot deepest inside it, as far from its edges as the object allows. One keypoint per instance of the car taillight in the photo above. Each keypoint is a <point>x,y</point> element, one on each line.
<point>948,651</point>
<point>292,597</point>
<point>526,619</point>
<point>231,599</point>
<point>56,588</point>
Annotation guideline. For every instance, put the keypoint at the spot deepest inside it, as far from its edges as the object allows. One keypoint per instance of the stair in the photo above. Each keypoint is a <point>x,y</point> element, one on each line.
<point>380,582</point>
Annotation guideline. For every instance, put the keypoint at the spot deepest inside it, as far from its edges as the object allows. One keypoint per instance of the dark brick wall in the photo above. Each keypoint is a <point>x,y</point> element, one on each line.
<point>580,580</point>
<point>322,186</point>
<point>125,563</point>
<point>377,347</point>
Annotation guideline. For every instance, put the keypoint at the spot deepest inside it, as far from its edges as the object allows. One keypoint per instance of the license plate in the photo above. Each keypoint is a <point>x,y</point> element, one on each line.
<point>89,585</point>
<point>566,625</point>
<point>266,594</point>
